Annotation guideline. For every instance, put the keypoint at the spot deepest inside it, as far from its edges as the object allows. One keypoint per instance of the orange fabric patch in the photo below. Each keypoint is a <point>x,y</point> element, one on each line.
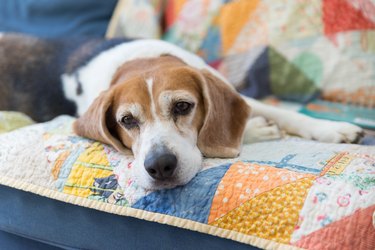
<point>58,163</point>
<point>272,215</point>
<point>230,27</point>
<point>337,164</point>
<point>244,181</point>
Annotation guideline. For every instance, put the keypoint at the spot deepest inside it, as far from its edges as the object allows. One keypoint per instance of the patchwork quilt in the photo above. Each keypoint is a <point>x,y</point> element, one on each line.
<point>291,48</point>
<point>290,193</point>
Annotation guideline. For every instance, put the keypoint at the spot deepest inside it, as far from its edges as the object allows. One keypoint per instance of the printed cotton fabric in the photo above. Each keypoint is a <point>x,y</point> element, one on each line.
<point>287,193</point>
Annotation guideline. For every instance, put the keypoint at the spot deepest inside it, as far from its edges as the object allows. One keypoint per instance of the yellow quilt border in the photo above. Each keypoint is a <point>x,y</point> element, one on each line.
<point>145,215</point>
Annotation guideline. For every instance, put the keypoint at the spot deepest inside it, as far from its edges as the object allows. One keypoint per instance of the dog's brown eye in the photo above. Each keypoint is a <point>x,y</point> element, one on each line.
<point>182,108</point>
<point>129,121</point>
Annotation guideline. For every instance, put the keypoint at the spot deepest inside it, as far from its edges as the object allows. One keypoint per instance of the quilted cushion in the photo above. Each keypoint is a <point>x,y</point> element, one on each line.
<point>288,193</point>
<point>74,227</point>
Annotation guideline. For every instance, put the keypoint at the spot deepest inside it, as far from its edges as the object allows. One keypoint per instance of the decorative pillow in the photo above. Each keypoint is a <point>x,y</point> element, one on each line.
<point>13,120</point>
<point>302,46</point>
<point>136,19</point>
<point>301,193</point>
<point>293,49</point>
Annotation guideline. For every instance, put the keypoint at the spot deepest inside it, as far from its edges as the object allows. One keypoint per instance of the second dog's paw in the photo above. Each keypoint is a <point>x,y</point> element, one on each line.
<point>331,131</point>
<point>260,129</point>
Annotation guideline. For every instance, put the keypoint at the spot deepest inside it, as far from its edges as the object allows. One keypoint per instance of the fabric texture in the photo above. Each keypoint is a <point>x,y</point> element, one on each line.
<point>289,197</point>
<point>145,17</point>
<point>73,227</point>
<point>297,50</point>
<point>16,242</point>
<point>311,46</point>
<point>58,18</point>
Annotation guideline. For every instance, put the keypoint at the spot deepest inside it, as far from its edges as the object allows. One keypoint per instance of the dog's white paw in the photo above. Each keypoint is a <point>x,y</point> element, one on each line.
<point>261,129</point>
<point>331,131</point>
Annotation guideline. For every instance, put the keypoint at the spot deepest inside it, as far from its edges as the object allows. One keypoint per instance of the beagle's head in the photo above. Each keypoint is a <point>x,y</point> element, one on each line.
<point>169,114</point>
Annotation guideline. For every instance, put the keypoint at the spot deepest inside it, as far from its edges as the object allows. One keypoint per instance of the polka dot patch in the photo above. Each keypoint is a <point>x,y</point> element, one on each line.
<point>244,181</point>
<point>272,215</point>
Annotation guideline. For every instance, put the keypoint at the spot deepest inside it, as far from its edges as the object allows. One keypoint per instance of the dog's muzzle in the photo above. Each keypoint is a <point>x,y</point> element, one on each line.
<point>160,163</point>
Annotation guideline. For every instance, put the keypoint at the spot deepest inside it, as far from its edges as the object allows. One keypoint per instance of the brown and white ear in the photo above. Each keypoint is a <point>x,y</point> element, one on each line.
<point>96,122</point>
<point>226,114</point>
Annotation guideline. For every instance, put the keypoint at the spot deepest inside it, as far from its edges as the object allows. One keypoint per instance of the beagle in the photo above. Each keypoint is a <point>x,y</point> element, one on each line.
<point>165,104</point>
<point>170,108</point>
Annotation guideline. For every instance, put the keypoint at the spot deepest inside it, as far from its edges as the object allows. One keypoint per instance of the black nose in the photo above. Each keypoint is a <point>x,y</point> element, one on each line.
<point>160,163</point>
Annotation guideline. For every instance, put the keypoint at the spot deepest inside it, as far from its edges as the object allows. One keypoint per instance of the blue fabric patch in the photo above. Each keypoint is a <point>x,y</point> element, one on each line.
<point>67,167</point>
<point>367,140</point>
<point>258,77</point>
<point>285,163</point>
<point>192,201</point>
<point>211,47</point>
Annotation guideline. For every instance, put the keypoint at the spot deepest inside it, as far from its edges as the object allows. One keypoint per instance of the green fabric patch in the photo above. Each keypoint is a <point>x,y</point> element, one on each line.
<point>363,182</point>
<point>13,120</point>
<point>287,80</point>
<point>311,66</point>
<point>368,41</point>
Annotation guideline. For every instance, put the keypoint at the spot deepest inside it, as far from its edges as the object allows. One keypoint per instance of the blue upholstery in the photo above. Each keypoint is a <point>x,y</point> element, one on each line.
<point>71,226</point>
<point>14,242</point>
<point>57,18</point>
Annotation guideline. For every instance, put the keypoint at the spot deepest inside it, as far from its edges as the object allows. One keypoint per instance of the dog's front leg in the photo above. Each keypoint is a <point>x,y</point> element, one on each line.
<point>305,126</point>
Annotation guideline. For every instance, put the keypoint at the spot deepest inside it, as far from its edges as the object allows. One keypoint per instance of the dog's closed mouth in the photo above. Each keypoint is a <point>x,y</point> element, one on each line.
<point>171,182</point>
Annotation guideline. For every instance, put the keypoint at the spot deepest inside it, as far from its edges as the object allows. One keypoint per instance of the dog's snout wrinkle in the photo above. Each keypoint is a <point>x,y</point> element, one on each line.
<point>160,163</point>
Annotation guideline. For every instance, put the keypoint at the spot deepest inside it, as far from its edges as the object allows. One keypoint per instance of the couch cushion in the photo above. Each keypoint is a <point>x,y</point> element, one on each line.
<point>56,18</point>
<point>276,194</point>
<point>67,226</point>
<point>13,241</point>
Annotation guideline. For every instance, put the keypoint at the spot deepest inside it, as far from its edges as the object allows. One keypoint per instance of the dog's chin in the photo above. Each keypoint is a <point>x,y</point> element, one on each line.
<point>169,184</point>
<point>165,184</point>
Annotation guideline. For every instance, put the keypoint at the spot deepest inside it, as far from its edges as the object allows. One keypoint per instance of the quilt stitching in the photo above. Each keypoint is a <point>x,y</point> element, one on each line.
<point>248,198</point>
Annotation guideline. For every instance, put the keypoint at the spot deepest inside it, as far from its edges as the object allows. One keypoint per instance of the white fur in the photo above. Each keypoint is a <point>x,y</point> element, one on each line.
<point>260,129</point>
<point>150,83</point>
<point>96,76</point>
<point>189,158</point>
<point>305,126</point>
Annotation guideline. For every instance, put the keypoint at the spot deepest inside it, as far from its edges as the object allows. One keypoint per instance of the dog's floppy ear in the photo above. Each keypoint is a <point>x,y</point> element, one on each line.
<point>95,123</point>
<point>226,114</point>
